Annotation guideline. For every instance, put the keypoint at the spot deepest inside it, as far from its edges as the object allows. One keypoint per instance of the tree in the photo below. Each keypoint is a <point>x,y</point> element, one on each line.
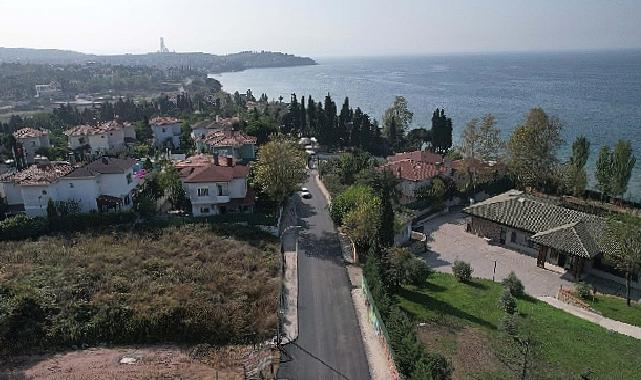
<point>482,141</point>
<point>280,168</point>
<point>434,192</point>
<point>398,113</point>
<point>186,142</point>
<point>172,185</point>
<point>622,242</point>
<point>603,172</point>
<point>623,161</point>
<point>143,131</point>
<point>441,132</point>
<point>349,200</point>
<point>416,138</point>
<point>52,212</point>
<point>532,149</point>
<point>573,173</point>
<point>362,222</point>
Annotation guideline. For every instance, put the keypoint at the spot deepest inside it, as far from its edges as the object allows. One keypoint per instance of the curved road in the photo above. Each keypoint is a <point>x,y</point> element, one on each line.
<point>329,344</point>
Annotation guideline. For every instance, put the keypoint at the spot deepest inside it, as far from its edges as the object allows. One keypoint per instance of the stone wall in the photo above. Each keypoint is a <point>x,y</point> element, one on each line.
<point>484,228</point>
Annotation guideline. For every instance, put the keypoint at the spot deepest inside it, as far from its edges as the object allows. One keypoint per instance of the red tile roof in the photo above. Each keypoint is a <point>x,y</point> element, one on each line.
<point>40,174</point>
<point>410,170</point>
<point>164,120</point>
<point>228,138</point>
<point>212,173</point>
<point>25,133</point>
<point>417,155</point>
<point>84,130</point>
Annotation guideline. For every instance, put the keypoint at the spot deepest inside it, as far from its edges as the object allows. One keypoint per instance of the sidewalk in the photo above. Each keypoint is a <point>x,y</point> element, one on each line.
<point>607,323</point>
<point>289,242</point>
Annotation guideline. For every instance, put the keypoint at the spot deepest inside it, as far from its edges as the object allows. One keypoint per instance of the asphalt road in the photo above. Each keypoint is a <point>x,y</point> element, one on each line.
<point>329,344</point>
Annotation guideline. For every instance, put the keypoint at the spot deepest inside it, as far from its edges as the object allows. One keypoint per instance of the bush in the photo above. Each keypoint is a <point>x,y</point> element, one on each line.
<point>515,285</point>
<point>462,271</point>
<point>432,366</point>
<point>584,291</point>
<point>509,325</point>
<point>507,302</point>
<point>417,272</point>
<point>349,200</point>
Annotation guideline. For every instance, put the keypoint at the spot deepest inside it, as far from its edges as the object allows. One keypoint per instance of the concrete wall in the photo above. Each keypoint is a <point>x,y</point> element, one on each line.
<point>36,199</point>
<point>82,190</point>
<point>11,192</point>
<point>164,133</point>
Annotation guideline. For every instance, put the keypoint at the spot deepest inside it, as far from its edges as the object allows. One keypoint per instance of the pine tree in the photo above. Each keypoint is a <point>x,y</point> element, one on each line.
<point>603,172</point>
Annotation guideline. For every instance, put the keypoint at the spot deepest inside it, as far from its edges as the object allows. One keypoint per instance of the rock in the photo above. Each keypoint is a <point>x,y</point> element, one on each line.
<point>127,360</point>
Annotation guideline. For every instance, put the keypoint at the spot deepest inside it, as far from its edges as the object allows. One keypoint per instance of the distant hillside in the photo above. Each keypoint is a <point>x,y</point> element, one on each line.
<point>197,60</point>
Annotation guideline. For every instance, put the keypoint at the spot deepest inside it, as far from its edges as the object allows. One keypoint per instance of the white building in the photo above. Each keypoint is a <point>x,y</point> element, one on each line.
<point>166,131</point>
<point>202,128</point>
<point>106,184</point>
<point>215,185</point>
<point>106,138</point>
<point>31,140</point>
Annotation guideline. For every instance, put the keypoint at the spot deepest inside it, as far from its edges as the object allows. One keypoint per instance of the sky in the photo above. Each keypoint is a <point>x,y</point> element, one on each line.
<point>322,28</point>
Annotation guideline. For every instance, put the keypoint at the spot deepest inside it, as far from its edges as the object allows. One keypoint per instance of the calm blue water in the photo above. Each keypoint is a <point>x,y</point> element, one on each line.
<point>597,94</point>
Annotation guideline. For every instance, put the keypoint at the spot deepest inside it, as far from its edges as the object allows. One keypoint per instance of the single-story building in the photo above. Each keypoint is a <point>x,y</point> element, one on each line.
<point>538,227</point>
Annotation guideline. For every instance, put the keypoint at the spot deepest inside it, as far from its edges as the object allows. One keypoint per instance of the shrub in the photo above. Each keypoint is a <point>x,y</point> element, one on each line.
<point>462,271</point>
<point>417,271</point>
<point>349,200</point>
<point>509,325</point>
<point>515,285</point>
<point>507,302</point>
<point>432,366</point>
<point>584,290</point>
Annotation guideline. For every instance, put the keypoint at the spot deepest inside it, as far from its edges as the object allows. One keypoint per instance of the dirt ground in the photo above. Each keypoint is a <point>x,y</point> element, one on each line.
<point>157,362</point>
<point>469,350</point>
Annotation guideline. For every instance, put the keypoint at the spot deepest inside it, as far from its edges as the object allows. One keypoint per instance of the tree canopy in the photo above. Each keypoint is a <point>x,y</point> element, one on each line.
<point>280,168</point>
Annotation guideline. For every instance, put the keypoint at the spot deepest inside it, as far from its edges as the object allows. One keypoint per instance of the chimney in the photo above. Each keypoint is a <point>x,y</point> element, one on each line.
<point>230,161</point>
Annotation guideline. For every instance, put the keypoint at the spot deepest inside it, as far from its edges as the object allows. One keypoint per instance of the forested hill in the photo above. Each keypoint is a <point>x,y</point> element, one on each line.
<point>202,61</point>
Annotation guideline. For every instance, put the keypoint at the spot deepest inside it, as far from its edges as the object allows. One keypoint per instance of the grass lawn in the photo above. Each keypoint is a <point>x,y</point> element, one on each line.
<point>617,309</point>
<point>195,283</point>
<point>455,311</point>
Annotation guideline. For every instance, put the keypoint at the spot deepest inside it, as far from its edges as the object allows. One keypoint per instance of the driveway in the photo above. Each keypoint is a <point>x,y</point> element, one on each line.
<point>329,344</point>
<point>447,241</point>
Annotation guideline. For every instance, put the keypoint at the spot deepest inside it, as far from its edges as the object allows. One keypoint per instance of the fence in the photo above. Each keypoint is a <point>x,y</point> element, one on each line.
<point>379,326</point>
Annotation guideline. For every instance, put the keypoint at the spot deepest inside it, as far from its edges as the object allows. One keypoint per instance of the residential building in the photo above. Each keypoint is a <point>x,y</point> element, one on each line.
<point>557,236</point>
<point>30,140</point>
<point>202,128</point>
<point>215,185</point>
<point>166,131</point>
<point>228,143</point>
<point>106,184</point>
<point>107,138</point>
<point>415,170</point>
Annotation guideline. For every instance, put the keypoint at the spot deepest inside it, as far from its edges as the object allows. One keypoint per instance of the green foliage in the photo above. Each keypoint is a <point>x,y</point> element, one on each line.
<point>170,183</point>
<point>349,200</point>
<point>280,168</point>
<point>143,131</point>
<point>417,272</point>
<point>584,290</point>
<point>580,152</point>
<point>603,171</point>
<point>51,209</point>
<point>509,325</point>
<point>622,241</point>
<point>623,161</point>
<point>406,269</point>
<point>482,142</point>
<point>462,271</point>
<point>532,149</point>
<point>514,285</point>
<point>142,287</point>
<point>507,302</point>
<point>441,131</point>
<point>434,192</point>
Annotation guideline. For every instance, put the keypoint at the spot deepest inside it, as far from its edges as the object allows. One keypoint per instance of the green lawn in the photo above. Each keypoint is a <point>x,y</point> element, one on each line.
<point>568,344</point>
<point>617,309</point>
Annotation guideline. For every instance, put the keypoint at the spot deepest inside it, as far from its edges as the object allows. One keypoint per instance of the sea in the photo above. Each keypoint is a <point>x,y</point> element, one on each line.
<point>596,94</point>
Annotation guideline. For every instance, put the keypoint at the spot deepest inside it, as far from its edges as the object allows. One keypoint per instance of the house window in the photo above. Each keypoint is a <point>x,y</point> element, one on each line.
<point>220,190</point>
<point>203,192</point>
<point>71,185</point>
<point>513,237</point>
<point>204,210</point>
<point>129,178</point>
<point>44,192</point>
<point>163,130</point>
<point>33,143</point>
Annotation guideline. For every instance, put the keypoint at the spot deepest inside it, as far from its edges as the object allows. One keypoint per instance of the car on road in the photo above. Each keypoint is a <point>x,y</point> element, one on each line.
<point>304,193</point>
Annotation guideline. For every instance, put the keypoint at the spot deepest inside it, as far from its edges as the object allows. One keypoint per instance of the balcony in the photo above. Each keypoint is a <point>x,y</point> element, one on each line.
<point>210,199</point>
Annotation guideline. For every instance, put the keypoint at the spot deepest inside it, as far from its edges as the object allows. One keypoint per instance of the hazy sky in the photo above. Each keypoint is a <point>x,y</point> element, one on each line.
<point>323,27</point>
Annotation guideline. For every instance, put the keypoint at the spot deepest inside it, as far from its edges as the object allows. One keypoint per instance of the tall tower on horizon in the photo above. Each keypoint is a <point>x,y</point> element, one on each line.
<point>163,48</point>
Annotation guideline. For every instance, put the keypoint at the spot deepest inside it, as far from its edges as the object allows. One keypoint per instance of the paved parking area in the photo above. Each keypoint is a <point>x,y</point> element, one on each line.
<point>447,241</point>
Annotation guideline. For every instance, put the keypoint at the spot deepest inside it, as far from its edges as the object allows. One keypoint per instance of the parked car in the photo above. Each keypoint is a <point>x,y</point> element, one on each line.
<point>304,192</point>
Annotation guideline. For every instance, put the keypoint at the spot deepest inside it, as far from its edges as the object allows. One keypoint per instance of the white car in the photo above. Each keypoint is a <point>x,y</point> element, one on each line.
<point>304,192</point>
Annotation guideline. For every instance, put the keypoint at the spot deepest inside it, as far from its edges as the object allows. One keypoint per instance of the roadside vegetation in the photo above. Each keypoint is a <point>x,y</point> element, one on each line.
<point>184,284</point>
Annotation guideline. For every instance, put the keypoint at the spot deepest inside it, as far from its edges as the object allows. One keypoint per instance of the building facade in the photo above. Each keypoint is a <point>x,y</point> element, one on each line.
<point>107,138</point>
<point>30,140</point>
<point>166,131</point>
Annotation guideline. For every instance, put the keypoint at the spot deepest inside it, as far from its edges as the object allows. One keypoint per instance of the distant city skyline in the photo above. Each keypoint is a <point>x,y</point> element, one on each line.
<point>330,28</point>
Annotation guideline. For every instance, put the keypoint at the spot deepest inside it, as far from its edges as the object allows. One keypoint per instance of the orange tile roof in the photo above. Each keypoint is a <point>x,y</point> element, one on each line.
<point>415,171</point>
<point>417,155</point>
<point>25,133</point>
<point>212,173</point>
<point>40,175</point>
<point>84,130</point>
<point>164,120</point>
<point>228,138</point>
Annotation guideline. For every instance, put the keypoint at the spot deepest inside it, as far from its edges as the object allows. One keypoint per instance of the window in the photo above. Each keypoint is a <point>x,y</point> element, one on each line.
<point>44,192</point>
<point>163,130</point>
<point>33,143</point>
<point>513,237</point>
<point>129,178</point>
<point>204,210</point>
<point>203,192</point>
<point>71,185</point>
<point>220,189</point>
